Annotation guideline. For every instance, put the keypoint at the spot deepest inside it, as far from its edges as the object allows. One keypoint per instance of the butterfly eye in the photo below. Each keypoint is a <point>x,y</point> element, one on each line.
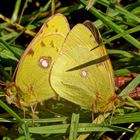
<point>84,72</point>
<point>45,62</point>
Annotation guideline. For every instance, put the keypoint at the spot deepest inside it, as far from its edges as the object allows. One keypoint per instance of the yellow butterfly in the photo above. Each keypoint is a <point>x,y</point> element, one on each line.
<point>91,87</point>
<point>33,72</point>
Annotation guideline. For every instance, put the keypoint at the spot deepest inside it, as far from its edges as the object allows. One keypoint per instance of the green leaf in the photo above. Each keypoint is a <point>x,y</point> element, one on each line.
<point>74,126</point>
<point>136,135</point>
<point>10,111</point>
<point>135,82</point>
<point>82,128</point>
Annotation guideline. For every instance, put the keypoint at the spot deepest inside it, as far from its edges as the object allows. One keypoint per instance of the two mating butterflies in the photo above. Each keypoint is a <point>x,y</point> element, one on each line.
<point>42,71</point>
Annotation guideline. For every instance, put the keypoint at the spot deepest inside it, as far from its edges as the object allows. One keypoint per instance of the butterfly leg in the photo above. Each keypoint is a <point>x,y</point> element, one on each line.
<point>33,108</point>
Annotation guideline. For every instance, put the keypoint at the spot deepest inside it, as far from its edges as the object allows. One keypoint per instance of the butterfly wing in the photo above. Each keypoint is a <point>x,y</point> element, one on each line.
<point>32,77</point>
<point>99,40</point>
<point>52,25</point>
<point>89,87</point>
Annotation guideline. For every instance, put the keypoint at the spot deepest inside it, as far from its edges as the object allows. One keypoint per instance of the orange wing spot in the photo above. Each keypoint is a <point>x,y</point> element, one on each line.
<point>30,52</point>
<point>46,25</point>
<point>114,97</point>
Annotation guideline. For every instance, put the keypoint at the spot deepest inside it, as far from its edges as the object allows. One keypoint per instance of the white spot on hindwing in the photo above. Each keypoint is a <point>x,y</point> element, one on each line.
<point>45,61</point>
<point>84,73</point>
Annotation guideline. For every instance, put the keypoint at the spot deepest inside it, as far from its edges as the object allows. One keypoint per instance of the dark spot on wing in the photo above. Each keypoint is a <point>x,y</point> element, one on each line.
<point>56,30</point>
<point>30,52</point>
<point>114,97</point>
<point>52,44</point>
<point>30,88</point>
<point>99,64</point>
<point>42,44</point>
<point>47,25</point>
<point>98,97</point>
